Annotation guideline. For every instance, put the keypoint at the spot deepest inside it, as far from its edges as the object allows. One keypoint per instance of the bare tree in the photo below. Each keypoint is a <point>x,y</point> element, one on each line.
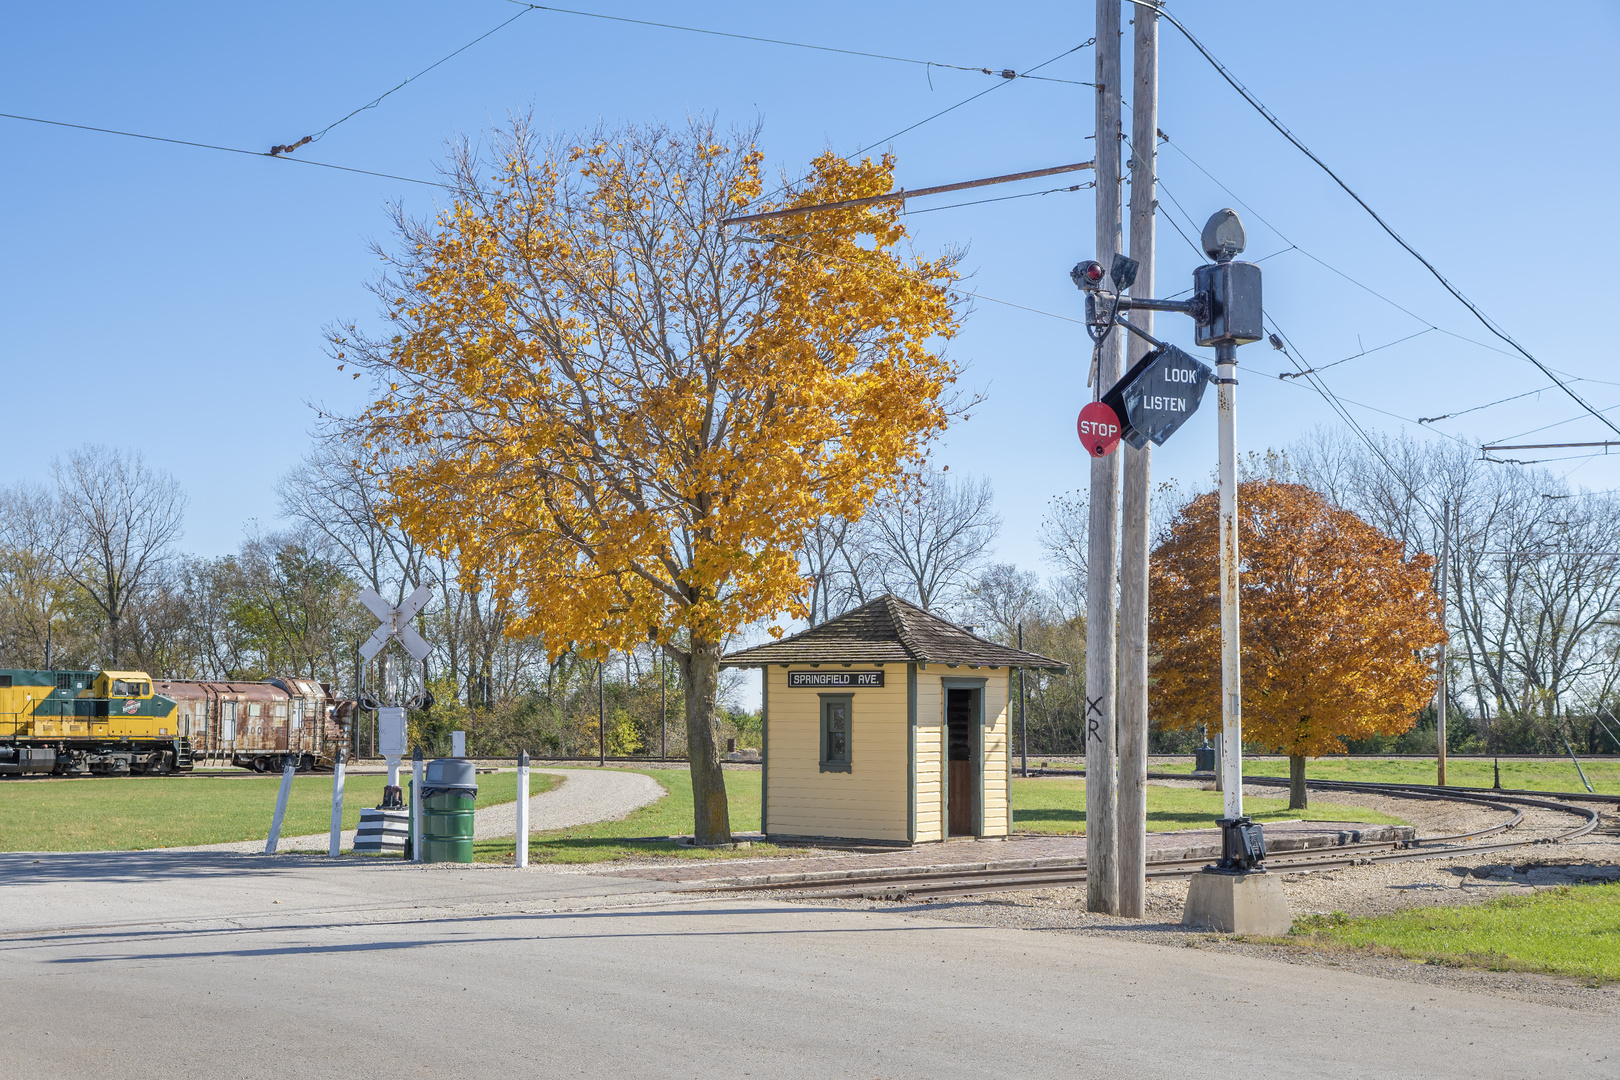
<point>1004,598</point>
<point>119,520</point>
<point>931,542</point>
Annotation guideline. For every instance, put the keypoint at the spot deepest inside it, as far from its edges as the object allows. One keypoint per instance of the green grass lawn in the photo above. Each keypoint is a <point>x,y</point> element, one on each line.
<point>1058,805</point>
<point>1573,931</point>
<point>669,816</point>
<point>133,813</point>
<point>1548,775</point>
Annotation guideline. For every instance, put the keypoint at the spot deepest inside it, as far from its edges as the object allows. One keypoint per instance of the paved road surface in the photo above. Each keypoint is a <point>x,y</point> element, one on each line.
<point>178,965</point>
<point>584,796</point>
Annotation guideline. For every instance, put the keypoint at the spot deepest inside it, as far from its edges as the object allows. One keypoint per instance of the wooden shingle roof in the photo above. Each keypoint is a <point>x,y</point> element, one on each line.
<point>888,630</point>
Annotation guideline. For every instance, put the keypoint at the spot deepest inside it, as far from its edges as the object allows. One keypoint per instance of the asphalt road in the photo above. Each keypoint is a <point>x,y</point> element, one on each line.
<point>223,965</point>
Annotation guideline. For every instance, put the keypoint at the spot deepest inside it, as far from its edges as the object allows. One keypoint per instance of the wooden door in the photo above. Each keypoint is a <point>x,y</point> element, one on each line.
<point>959,752</point>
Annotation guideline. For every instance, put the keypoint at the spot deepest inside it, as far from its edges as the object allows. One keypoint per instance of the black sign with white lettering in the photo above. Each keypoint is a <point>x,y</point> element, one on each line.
<point>1157,395</point>
<point>835,679</point>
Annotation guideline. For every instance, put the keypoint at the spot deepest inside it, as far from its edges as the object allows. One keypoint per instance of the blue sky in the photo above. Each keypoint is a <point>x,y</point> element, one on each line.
<point>172,299</point>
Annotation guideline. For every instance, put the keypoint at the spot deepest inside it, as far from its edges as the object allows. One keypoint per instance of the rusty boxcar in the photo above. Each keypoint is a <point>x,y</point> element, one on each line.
<point>259,725</point>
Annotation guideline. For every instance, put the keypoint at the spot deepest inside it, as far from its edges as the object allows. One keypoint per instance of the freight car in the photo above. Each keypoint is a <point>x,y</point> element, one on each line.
<point>80,723</point>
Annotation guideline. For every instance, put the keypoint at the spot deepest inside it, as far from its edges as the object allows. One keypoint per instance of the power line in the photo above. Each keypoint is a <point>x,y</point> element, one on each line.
<point>902,194</point>
<point>223,149</point>
<point>1002,198</point>
<point>1271,118</point>
<point>928,119</point>
<point>278,150</point>
<point>1004,73</point>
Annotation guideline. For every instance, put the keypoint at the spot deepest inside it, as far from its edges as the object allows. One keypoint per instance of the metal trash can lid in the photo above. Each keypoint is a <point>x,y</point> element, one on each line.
<point>451,772</point>
<point>429,792</point>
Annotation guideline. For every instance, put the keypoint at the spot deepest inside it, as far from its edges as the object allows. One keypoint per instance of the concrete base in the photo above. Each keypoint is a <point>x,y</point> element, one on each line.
<point>1237,903</point>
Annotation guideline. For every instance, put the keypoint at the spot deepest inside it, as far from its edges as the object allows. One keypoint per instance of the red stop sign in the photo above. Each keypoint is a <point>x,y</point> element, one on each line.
<point>1099,429</point>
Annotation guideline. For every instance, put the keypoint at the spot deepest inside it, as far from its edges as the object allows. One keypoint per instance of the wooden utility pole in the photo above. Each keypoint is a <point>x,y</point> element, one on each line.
<point>1102,569</point>
<point>1133,554</point>
<point>1445,583</point>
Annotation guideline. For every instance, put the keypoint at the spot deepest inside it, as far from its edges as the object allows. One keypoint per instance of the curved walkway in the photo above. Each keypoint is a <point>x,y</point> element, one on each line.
<point>584,796</point>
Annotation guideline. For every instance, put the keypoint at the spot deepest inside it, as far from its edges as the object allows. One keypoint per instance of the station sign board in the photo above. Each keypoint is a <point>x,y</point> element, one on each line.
<point>833,680</point>
<point>1159,394</point>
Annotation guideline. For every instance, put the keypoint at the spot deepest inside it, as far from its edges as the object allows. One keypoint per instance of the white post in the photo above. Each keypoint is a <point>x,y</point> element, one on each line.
<point>1440,703</point>
<point>458,744</point>
<point>281,804</point>
<point>523,810</point>
<point>335,845</point>
<point>1231,671</point>
<point>416,804</point>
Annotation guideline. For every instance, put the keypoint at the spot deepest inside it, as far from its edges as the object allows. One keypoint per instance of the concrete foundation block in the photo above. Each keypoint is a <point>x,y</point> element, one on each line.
<point>1237,903</point>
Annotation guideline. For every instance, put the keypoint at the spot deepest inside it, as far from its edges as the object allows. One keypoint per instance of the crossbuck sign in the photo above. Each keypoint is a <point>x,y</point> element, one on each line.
<point>396,623</point>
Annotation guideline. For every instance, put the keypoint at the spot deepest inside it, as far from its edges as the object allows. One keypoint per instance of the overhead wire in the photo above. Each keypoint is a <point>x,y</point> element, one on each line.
<point>278,150</point>
<point>1004,73</point>
<point>1272,119</point>
<point>225,149</point>
<point>908,212</point>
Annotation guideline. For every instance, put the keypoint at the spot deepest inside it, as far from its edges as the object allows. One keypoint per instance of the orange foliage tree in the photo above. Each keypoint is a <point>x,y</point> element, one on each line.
<point>1334,624</point>
<point>625,415</point>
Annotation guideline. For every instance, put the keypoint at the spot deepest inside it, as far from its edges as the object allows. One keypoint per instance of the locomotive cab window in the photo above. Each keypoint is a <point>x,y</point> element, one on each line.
<point>130,688</point>
<point>835,732</point>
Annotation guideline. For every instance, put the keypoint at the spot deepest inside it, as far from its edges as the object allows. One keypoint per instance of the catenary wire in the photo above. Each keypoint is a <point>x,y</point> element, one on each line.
<point>1272,119</point>
<point>224,149</point>
<point>1001,198</point>
<point>317,136</point>
<point>1005,73</point>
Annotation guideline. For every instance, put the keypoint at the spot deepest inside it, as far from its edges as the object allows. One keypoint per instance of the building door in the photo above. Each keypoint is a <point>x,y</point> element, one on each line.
<point>962,760</point>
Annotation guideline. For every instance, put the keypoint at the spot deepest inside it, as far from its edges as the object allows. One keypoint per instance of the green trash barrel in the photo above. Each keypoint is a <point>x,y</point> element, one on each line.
<point>449,790</point>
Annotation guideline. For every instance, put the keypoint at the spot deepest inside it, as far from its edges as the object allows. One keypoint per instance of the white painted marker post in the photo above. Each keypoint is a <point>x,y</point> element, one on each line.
<point>523,810</point>
<point>281,804</point>
<point>335,847</point>
<point>458,744</point>
<point>416,805</point>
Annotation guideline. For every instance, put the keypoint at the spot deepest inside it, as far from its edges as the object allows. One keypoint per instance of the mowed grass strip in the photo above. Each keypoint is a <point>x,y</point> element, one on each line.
<point>1572,931</point>
<point>669,817</point>
<point>136,813</point>
<point>1550,775</point>
<point>1057,804</point>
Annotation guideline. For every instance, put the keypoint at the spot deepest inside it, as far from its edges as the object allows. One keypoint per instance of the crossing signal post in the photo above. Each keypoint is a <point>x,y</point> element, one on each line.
<point>1151,402</point>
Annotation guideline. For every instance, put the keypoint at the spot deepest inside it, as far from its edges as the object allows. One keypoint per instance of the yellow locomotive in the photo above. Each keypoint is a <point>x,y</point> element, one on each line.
<point>83,723</point>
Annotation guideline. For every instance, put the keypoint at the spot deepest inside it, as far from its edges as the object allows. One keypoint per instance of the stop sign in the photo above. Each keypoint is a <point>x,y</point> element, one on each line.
<point>1099,429</point>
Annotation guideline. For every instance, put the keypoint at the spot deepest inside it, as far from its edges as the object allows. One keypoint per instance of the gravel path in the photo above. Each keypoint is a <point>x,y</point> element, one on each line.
<point>582,797</point>
<point>1375,889</point>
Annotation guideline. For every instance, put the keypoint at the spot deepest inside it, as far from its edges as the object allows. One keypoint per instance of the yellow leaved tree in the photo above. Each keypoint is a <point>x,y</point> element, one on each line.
<point>1334,624</point>
<point>624,415</point>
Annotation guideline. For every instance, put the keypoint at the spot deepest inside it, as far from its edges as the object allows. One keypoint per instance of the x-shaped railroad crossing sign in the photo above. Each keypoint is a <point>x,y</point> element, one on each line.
<point>396,623</point>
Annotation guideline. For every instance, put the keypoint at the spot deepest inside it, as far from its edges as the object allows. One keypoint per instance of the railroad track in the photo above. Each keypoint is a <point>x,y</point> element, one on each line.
<point>941,883</point>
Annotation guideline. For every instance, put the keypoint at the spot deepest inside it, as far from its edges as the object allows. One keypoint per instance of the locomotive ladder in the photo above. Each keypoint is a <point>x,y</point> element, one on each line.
<point>182,754</point>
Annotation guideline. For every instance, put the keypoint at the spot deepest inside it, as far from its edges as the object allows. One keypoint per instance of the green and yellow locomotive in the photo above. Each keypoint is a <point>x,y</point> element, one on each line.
<point>84,723</point>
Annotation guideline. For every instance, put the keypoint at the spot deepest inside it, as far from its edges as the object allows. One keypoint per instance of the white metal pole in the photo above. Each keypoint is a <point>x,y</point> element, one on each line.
<point>523,809</point>
<point>1136,501</point>
<point>1231,670</point>
<point>1440,706</point>
<point>416,805</point>
<point>334,846</point>
<point>287,774</point>
<point>1102,567</point>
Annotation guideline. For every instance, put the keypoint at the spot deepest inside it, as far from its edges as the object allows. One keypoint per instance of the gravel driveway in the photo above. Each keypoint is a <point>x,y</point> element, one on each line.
<point>583,796</point>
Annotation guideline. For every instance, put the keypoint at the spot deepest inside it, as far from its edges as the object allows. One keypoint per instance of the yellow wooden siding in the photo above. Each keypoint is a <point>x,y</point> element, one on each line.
<point>868,801</point>
<point>997,730</point>
<point>930,757</point>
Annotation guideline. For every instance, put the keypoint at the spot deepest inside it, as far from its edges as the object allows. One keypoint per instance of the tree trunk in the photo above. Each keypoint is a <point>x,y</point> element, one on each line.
<point>1296,781</point>
<point>710,812</point>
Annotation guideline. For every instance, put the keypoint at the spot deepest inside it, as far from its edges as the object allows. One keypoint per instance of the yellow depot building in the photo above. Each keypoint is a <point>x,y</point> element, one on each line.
<point>887,723</point>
